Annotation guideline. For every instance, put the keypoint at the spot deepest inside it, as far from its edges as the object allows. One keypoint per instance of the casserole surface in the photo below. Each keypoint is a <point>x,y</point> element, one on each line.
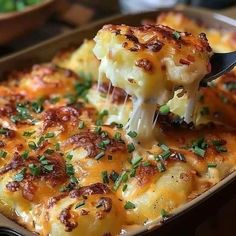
<point>51,138</point>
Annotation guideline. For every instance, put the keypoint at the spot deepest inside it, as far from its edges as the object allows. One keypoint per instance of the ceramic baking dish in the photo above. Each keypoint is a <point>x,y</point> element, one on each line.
<point>183,218</point>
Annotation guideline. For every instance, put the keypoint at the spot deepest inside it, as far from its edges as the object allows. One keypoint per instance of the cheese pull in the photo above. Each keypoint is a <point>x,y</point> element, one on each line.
<point>150,62</point>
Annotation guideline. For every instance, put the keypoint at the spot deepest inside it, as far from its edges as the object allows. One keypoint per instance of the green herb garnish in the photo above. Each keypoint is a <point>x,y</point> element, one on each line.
<point>129,205</point>
<point>20,176</point>
<point>164,110</point>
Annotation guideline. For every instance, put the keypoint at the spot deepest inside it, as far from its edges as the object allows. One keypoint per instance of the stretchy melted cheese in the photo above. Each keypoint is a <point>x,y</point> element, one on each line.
<point>66,169</point>
<point>150,63</point>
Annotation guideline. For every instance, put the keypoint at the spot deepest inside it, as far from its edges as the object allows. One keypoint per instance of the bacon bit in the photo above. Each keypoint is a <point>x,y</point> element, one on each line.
<point>125,44</point>
<point>28,190</point>
<point>154,46</point>
<point>100,215</point>
<point>15,164</point>
<point>118,94</point>
<point>191,58</point>
<point>60,115</point>
<point>107,234</point>
<point>97,188</point>
<point>186,176</point>
<point>144,174</point>
<point>7,110</point>
<point>84,212</point>
<point>2,144</point>
<point>67,219</point>
<point>19,147</point>
<point>184,61</point>
<point>13,186</point>
<point>144,64</point>
<point>53,200</point>
<point>58,174</point>
<point>89,141</point>
<point>205,43</point>
<point>106,203</point>
<point>132,38</point>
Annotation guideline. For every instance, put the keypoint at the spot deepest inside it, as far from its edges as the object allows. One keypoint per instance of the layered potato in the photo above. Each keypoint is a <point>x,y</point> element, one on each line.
<point>68,166</point>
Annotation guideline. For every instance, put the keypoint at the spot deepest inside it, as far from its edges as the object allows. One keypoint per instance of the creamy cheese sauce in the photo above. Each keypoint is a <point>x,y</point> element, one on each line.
<point>150,64</point>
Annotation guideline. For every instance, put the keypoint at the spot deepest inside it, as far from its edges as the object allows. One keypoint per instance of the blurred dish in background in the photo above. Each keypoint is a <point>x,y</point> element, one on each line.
<point>144,5</point>
<point>16,5</point>
<point>16,23</point>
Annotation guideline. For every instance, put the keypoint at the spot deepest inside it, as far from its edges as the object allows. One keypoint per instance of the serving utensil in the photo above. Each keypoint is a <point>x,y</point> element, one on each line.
<point>221,63</point>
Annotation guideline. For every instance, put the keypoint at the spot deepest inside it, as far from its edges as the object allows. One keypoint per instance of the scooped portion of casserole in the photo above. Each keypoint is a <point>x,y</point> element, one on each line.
<point>150,63</point>
<point>69,167</point>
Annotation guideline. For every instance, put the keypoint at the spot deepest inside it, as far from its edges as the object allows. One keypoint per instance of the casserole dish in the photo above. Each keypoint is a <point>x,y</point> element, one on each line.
<point>15,24</point>
<point>45,52</point>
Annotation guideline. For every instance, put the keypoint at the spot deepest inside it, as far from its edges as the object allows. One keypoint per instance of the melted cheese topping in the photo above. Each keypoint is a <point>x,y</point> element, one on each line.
<point>149,63</point>
<point>66,169</point>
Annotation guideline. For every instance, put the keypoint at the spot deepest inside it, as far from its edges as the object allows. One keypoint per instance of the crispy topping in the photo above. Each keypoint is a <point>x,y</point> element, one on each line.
<point>106,203</point>
<point>66,218</point>
<point>144,64</point>
<point>144,174</point>
<point>58,116</point>
<point>97,188</point>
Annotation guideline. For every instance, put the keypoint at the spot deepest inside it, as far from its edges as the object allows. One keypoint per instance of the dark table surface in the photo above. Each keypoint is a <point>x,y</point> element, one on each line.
<point>219,219</point>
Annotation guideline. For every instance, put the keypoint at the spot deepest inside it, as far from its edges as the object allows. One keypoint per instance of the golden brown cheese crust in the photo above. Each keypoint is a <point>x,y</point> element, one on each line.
<point>64,172</point>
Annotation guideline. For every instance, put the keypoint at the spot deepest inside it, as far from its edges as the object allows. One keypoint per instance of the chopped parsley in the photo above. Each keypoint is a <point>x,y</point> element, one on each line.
<point>129,205</point>
<point>50,135</point>
<point>164,213</point>
<point>20,175</point>
<point>70,169</point>
<point>22,113</point>
<point>73,180</point>
<point>105,178</point>
<point>124,187</point>
<point>176,35</point>
<point>37,106</point>
<point>164,110</point>
<point>69,156</point>
<point>28,133</point>
<point>101,116</point>
<point>57,146</point>
<point>34,169</point>
<point>212,165</point>
<point>218,144</point>
<point>49,151</point>
<point>49,167</point>
<point>98,130</point>
<point>117,136</point>
<point>130,147</point>
<point>3,131</point>
<point>136,160</point>
<point>161,167</point>
<point>81,124</point>
<point>80,204</point>
<point>32,145</point>
<point>3,154</point>
<point>199,147</point>
<point>83,87</point>
<point>25,154</point>
<point>114,176</point>
<point>54,100</point>
<point>99,155</point>
<point>119,126</point>
<point>122,178</point>
<point>132,134</point>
